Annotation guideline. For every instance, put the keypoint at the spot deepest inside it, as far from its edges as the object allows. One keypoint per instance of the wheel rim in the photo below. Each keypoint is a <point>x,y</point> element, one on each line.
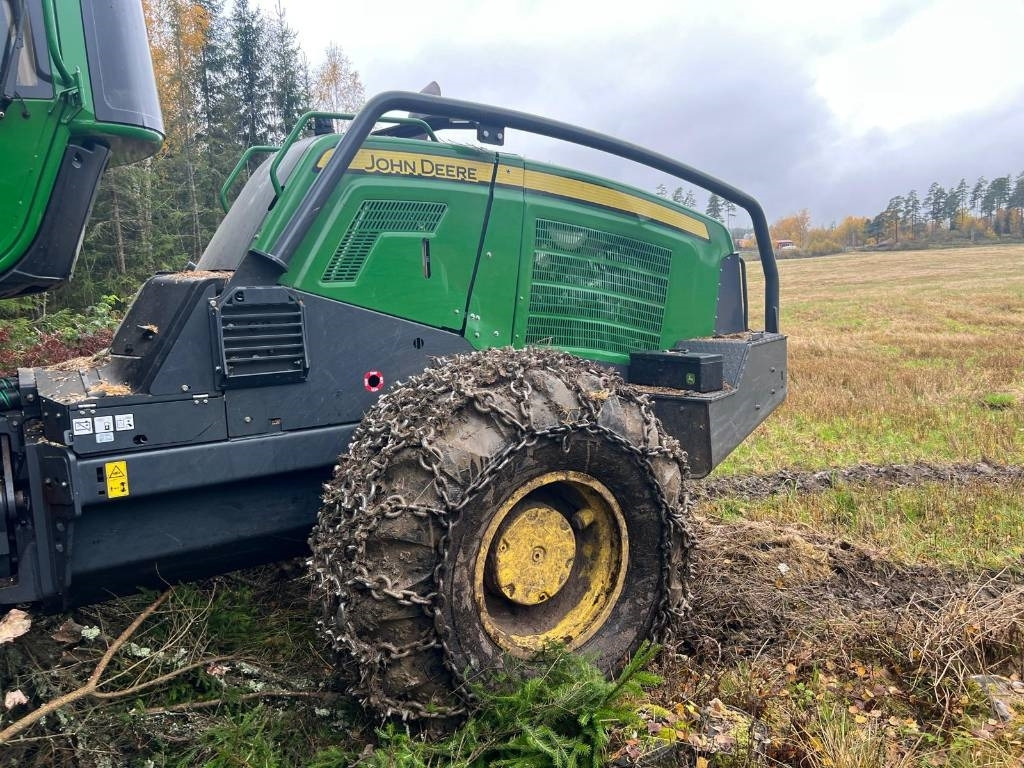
<point>551,563</point>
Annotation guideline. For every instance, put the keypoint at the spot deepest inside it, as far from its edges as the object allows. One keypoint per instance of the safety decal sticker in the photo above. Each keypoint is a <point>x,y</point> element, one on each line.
<point>373,381</point>
<point>117,479</point>
<point>103,426</point>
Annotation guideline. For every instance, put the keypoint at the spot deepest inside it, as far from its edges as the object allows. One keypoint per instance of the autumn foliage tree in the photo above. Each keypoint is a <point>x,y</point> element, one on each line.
<point>336,85</point>
<point>794,227</point>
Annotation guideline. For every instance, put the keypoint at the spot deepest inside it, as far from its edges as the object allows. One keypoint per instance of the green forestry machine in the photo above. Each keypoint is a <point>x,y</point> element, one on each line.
<point>520,364</point>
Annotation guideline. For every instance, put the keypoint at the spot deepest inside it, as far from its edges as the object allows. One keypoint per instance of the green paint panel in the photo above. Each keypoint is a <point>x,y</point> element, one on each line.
<point>496,289</point>
<point>403,244</point>
<point>374,220</point>
<point>535,268</point>
<point>32,151</point>
<point>32,147</point>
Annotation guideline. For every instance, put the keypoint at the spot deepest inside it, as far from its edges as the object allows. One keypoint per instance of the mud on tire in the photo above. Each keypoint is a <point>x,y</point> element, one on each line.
<point>445,477</point>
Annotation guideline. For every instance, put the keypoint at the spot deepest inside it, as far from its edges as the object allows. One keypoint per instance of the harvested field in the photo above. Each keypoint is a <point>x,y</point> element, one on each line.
<point>860,560</point>
<point>885,475</point>
<point>897,358</point>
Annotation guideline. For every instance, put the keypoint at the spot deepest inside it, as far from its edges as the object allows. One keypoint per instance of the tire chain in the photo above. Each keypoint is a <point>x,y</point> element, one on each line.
<point>410,416</point>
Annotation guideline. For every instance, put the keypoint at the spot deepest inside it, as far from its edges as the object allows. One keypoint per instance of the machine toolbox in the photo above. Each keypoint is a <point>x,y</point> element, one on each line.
<point>693,371</point>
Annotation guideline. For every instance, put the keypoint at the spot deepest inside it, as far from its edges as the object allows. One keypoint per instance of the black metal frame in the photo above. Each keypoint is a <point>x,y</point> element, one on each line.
<point>424,104</point>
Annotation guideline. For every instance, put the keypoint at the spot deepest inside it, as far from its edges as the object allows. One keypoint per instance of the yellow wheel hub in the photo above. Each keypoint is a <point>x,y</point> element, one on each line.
<point>551,564</point>
<point>535,555</point>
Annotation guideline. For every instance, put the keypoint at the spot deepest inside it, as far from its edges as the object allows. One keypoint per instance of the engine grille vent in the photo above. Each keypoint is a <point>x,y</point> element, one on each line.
<point>373,219</point>
<point>262,338</point>
<point>594,290</point>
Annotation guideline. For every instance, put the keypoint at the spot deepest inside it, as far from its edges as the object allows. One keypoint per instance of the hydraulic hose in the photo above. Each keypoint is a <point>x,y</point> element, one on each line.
<point>10,395</point>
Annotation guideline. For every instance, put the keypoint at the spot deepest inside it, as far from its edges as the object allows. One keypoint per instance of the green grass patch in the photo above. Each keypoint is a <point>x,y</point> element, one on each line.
<point>998,400</point>
<point>972,527</point>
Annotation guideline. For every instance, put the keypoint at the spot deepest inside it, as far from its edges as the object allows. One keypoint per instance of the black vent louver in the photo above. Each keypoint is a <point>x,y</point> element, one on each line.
<point>262,337</point>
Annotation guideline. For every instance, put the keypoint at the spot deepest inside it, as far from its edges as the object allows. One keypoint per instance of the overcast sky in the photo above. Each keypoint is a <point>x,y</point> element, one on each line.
<point>818,104</point>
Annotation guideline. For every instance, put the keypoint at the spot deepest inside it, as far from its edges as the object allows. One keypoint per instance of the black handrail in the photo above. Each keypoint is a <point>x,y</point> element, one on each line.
<point>424,104</point>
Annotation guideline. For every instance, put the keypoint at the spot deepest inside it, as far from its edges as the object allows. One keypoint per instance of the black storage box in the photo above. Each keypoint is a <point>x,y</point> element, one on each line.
<point>694,371</point>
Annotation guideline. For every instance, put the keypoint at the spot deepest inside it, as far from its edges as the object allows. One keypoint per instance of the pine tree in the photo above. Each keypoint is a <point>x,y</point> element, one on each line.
<point>728,210</point>
<point>893,214</point>
<point>961,195</point>
<point>248,76</point>
<point>978,194</point>
<point>213,76</point>
<point>690,201</point>
<point>714,209</point>
<point>911,211</point>
<point>936,203</point>
<point>952,208</point>
<point>288,95</point>
<point>1016,202</point>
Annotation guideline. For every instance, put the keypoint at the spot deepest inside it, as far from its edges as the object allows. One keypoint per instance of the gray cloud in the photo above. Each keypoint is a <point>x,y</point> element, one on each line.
<point>730,103</point>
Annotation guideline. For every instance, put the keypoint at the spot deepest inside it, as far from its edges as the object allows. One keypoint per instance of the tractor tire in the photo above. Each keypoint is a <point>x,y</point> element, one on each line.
<point>498,503</point>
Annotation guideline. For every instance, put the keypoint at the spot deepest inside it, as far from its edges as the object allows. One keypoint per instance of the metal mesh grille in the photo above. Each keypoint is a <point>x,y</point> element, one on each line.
<point>374,218</point>
<point>596,290</point>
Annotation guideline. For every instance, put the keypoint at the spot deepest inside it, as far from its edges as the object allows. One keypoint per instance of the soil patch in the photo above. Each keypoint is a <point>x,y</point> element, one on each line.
<point>883,475</point>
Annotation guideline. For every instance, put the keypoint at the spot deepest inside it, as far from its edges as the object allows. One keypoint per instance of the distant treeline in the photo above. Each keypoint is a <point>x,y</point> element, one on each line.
<point>984,211</point>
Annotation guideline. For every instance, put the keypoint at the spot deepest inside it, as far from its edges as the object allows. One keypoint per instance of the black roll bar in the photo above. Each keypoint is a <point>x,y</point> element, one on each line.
<point>425,104</point>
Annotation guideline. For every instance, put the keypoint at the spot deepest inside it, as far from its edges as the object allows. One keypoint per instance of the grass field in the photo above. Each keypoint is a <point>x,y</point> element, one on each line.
<point>831,628</point>
<point>897,357</point>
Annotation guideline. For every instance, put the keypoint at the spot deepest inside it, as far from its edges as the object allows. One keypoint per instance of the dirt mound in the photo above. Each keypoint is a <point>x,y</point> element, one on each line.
<point>895,475</point>
<point>786,590</point>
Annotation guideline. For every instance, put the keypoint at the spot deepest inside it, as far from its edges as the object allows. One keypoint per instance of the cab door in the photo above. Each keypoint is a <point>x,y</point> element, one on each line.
<point>30,132</point>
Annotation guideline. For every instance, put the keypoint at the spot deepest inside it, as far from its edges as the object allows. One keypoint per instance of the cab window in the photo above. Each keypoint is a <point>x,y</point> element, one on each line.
<point>30,76</point>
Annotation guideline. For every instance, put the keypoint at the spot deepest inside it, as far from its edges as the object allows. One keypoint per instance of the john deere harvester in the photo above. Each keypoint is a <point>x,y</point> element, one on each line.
<point>520,365</point>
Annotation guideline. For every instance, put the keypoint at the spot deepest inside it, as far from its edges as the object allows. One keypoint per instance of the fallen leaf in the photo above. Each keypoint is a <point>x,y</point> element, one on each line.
<point>724,741</point>
<point>15,624</point>
<point>14,699</point>
<point>717,709</point>
<point>68,633</point>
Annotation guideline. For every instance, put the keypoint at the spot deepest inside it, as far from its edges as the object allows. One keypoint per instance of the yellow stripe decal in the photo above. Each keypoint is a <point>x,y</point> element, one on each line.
<point>392,163</point>
<point>552,184</point>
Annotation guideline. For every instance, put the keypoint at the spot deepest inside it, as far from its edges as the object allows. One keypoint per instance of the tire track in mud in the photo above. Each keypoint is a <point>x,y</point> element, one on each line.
<point>887,475</point>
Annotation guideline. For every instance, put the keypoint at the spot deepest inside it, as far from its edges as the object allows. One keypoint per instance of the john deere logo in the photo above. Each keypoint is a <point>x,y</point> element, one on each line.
<point>691,378</point>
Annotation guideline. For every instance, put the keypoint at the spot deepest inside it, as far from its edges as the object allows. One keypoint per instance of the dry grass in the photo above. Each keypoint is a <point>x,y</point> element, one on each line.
<point>895,357</point>
<point>848,657</point>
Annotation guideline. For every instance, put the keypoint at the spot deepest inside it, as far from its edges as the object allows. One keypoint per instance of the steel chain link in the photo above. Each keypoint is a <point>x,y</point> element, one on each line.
<point>415,416</point>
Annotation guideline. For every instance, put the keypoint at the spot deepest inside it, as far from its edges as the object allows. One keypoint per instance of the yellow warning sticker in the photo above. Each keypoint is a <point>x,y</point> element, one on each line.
<point>117,479</point>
